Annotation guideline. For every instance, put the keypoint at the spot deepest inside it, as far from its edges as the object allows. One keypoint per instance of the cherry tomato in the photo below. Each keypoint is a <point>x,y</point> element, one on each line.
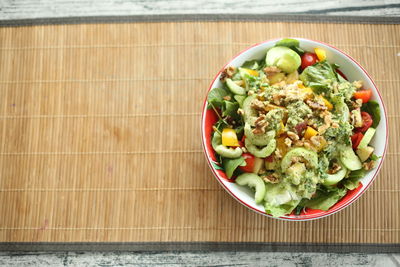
<point>356,139</point>
<point>249,158</point>
<point>308,59</point>
<point>364,95</point>
<point>367,122</point>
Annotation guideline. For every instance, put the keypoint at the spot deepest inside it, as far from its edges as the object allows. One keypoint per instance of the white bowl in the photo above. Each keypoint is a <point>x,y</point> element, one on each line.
<point>353,71</point>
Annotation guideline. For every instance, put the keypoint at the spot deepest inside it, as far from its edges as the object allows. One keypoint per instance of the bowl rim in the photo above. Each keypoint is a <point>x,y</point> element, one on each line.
<point>298,218</point>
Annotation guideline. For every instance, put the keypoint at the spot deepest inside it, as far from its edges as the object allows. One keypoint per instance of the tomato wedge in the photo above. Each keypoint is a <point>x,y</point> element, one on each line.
<point>367,122</point>
<point>356,139</point>
<point>364,95</point>
<point>249,159</point>
<point>308,59</point>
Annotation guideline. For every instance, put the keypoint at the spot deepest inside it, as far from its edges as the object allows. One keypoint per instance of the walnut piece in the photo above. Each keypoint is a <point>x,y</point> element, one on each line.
<point>335,168</point>
<point>293,136</point>
<point>288,142</point>
<point>271,70</point>
<point>271,178</point>
<point>315,105</point>
<point>227,73</point>
<point>358,84</point>
<point>260,124</point>
<point>258,105</point>
<point>369,165</point>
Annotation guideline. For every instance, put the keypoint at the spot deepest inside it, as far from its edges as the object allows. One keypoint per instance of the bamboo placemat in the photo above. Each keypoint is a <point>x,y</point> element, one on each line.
<point>100,134</point>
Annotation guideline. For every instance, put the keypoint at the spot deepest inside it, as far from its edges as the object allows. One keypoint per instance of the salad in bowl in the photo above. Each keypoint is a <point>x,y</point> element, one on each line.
<point>288,134</point>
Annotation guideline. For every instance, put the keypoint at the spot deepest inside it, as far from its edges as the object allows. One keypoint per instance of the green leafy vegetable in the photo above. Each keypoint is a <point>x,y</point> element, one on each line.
<point>324,200</point>
<point>252,64</point>
<point>216,97</point>
<point>292,44</point>
<point>372,108</point>
<point>216,166</point>
<point>230,165</point>
<point>319,77</point>
<point>230,109</point>
<point>375,157</point>
<point>280,200</point>
<point>357,174</point>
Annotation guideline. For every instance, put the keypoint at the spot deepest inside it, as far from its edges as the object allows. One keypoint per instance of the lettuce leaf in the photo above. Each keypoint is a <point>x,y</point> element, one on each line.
<point>280,200</point>
<point>319,77</point>
<point>325,199</point>
<point>216,97</point>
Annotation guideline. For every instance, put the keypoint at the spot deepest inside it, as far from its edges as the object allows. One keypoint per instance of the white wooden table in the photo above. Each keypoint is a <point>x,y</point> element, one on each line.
<point>34,9</point>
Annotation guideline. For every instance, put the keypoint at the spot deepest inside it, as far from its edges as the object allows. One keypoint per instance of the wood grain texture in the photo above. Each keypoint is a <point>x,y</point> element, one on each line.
<point>22,9</point>
<point>175,259</point>
<point>100,134</point>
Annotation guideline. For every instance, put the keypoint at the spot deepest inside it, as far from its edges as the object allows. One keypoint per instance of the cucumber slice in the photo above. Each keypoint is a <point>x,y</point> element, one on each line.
<point>234,88</point>
<point>337,177</point>
<point>309,155</point>
<point>254,181</point>
<point>367,138</point>
<point>350,159</point>
<point>262,152</point>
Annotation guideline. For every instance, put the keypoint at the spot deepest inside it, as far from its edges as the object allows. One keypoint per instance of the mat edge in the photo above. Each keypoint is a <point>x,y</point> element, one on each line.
<point>201,246</point>
<point>277,17</point>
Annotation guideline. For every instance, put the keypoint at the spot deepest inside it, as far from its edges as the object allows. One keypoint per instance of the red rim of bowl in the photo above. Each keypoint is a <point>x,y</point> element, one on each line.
<point>339,205</point>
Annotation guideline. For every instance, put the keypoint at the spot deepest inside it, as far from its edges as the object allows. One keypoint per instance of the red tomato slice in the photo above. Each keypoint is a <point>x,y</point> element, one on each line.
<point>356,139</point>
<point>249,158</point>
<point>364,95</point>
<point>367,122</point>
<point>308,59</point>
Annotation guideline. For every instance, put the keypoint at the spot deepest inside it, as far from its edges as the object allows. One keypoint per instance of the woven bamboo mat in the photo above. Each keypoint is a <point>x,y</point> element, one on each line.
<point>100,134</point>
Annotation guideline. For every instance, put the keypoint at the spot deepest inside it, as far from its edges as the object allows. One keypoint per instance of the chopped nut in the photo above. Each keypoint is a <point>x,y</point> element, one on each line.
<point>271,70</point>
<point>315,105</point>
<point>278,153</point>
<point>369,165</point>
<point>358,84</point>
<point>288,142</point>
<point>260,124</point>
<point>227,97</point>
<point>227,73</point>
<point>318,141</point>
<point>307,145</point>
<point>250,92</point>
<point>356,104</point>
<point>335,168</point>
<point>293,136</point>
<point>299,143</point>
<point>258,105</point>
<point>240,111</point>
<point>322,129</point>
<point>356,119</point>
<point>328,118</point>
<point>271,178</point>
<point>276,98</point>
<point>335,125</point>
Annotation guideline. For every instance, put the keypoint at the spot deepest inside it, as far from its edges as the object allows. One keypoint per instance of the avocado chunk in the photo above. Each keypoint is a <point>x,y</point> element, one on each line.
<point>254,181</point>
<point>310,156</point>
<point>284,58</point>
